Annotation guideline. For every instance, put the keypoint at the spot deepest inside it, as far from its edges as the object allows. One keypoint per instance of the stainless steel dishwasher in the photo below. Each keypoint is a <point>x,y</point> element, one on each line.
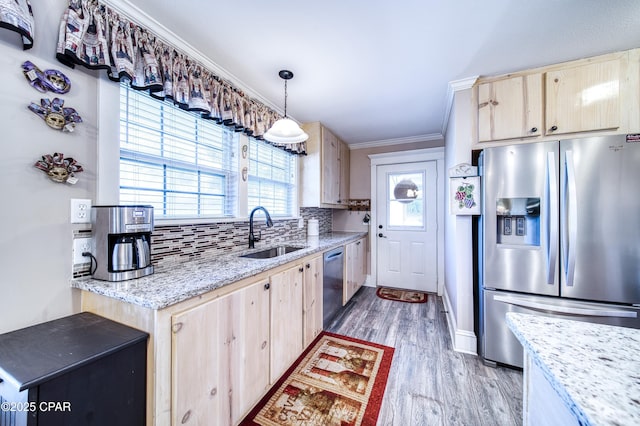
<point>332,284</point>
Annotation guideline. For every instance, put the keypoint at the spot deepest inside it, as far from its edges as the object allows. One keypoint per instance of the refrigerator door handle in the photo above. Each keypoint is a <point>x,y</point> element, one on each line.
<point>571,217</point>
<point>552,223</point>
<point>565,309</point>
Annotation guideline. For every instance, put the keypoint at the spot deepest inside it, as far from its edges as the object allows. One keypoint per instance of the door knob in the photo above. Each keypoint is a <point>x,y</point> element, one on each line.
<point>381,235</point>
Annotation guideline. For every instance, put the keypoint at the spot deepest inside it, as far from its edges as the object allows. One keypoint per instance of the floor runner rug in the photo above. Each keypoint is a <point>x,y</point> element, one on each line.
<point>399,295</point>
<point>337,381</point>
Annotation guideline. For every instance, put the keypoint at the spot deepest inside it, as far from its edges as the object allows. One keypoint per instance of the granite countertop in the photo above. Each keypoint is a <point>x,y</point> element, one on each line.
<point>191,279</point>
<point>594,368</point>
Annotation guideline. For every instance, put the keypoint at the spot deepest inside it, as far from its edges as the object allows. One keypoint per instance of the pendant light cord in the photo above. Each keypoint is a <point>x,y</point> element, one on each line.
<point>285,99</point>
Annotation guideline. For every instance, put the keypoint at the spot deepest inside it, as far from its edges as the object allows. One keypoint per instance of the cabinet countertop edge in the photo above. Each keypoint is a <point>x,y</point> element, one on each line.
<point>191,279</point>
<point>592,367</point>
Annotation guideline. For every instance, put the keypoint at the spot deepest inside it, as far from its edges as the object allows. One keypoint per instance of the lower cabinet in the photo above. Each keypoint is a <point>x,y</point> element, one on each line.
<point>211,358</point>
<point>312,300</point>
<point>220,360</point>
<point>286,319</point>
<point>355,268</point>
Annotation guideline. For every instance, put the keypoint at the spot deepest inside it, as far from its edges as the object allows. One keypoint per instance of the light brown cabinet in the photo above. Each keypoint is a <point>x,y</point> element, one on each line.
<point>324,171</point>
<point>312,300</point>
<point>510,108</point>
<point>286,319</point>
<point>589,95</point>
<point>220,361</point>
<point>355,268</point>
<point>583,98</point>
<point>344,159</point>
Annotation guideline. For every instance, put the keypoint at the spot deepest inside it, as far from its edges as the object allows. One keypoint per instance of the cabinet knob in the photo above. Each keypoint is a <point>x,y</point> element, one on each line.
<point>301,269</point>
<point>534,129</point>
<point>308,265</point>
<point>554,128</point>
<point>267,286</point>
<point>186,416</point>
<point>379,226</point>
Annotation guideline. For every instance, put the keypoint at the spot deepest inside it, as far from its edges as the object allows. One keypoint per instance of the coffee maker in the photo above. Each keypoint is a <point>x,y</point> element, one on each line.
<point>122,241</point>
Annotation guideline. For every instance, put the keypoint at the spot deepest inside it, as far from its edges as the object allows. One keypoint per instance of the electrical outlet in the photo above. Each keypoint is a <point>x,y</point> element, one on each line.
<point>81,245</point>
<point>80,210</point>
<point>300,223</point>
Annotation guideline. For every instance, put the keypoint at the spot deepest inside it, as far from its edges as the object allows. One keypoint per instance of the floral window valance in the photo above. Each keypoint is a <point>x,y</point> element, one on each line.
<point>95,36</point>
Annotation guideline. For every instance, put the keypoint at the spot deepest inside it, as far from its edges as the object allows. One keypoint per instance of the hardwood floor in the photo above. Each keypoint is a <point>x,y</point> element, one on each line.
<point>429,383</point>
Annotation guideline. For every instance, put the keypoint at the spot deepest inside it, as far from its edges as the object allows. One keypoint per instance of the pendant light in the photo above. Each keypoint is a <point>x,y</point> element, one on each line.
<point>285,131</point>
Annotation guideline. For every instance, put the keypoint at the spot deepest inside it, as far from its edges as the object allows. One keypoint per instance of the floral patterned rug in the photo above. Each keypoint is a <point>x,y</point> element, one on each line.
<point>400,295</point>
<point>338,381</point>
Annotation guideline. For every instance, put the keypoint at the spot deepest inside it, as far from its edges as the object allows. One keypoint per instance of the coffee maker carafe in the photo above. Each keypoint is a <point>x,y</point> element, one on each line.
<point>122,237</point>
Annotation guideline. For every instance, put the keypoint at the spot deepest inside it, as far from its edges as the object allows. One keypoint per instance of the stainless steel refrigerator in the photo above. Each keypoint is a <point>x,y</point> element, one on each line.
<point>560,236</point>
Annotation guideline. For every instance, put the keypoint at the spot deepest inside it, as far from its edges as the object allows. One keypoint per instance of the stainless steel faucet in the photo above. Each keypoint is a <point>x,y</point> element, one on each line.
<point>252,238</point>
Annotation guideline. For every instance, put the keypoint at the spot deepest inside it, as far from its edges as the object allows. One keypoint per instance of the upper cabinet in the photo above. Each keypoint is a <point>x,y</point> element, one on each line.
<point>324,171</point>
<point>590,95</point>
<point>583,98</point>
<point>510,108</point>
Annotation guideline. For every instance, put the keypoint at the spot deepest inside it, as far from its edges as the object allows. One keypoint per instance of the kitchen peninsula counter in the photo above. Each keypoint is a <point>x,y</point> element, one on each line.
<point>172,285</point>
<point>592,370</point>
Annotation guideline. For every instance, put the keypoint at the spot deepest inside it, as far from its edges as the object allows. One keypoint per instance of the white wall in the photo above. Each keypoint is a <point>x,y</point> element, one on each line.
<point>35,235</point>
<point>458,236</point>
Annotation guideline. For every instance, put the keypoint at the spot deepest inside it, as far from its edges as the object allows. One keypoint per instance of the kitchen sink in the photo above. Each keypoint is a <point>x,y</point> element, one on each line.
<point>272,252</point>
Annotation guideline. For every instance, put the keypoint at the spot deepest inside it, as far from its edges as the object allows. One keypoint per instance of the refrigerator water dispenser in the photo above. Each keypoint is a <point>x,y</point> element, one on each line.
<point>518,221</point>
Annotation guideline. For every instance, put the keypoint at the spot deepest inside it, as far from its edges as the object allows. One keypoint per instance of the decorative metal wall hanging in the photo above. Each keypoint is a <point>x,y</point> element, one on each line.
<point>16,15</point>
<point>363,204</point>
<point>58,168</point>
<point>47,80</point>
<point>56,115</point>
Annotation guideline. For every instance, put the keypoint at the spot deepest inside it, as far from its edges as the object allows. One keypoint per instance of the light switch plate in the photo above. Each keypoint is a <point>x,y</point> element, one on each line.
<point>80,210</point>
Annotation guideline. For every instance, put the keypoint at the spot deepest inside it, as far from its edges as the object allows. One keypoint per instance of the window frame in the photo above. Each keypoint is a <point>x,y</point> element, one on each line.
<point>107,176</point>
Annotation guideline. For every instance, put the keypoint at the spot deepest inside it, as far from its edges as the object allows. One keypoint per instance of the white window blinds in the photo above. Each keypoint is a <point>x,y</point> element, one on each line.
<point>272,178</point>
<point>176,161</point>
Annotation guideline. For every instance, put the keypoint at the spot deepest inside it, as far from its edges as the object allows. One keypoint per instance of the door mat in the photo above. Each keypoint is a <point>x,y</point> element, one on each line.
<point>408,296</point>
<point>338,380</point>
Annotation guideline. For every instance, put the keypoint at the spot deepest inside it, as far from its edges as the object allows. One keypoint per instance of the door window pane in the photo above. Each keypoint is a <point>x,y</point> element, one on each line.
<point>406,200</point>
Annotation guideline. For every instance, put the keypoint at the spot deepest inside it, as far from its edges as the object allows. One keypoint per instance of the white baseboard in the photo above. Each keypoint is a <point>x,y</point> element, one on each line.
<point>368,282</point>
<point>463,340</point>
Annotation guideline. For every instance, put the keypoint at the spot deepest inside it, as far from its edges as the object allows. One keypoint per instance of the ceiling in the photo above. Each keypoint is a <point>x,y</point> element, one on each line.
<point>378,71</point>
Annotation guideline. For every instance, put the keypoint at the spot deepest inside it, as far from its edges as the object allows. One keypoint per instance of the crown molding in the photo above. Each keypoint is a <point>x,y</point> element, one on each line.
<point>397,141</point>
<point>453,87</point>
<point>137,15</point>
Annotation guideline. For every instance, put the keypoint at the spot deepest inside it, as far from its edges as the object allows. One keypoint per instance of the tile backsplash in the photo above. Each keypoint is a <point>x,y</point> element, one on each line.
<point>173,244</point>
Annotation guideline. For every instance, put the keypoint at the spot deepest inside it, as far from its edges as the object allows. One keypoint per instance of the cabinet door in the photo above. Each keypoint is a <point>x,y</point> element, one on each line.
<point>345,155</point>
<point>583,98</point>
<point>361,262</point>
<point>220,359</point>
<point>355,272</point>
<point>312,300</point>
<point>510,108</point>
<point>330,167</point>
<point>286,319</point>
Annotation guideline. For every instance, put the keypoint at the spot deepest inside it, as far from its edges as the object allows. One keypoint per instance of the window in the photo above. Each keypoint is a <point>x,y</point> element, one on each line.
<point>272,177</point>
<point>174,160</point>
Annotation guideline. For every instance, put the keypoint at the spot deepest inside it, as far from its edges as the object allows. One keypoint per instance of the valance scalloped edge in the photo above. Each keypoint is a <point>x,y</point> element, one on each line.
<point>96,36</point>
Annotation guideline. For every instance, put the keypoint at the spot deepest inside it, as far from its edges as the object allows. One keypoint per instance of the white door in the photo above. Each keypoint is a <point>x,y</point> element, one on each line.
<point>407,226</point>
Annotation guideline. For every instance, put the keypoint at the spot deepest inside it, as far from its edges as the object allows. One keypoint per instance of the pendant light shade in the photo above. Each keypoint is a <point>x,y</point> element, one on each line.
<point>285,131</point>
